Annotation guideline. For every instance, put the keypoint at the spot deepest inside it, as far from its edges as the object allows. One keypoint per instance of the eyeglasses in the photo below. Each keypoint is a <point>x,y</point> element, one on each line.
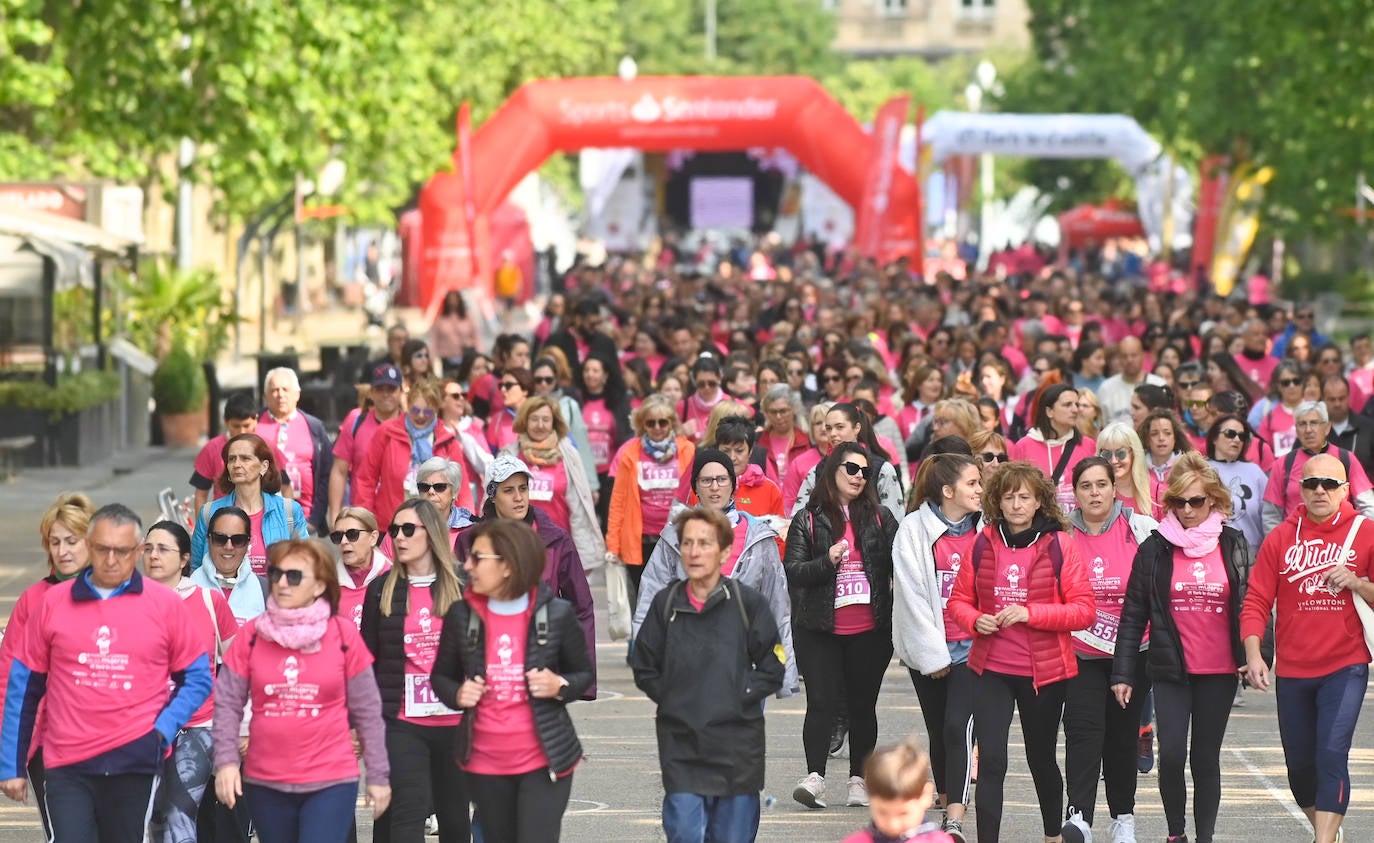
<point>853,468</point>
<point>780,411</point>
<point>1117,455</point>
<point>720,480</point>
<point>1183,503</point>
<point>353,535</point>
<point>159,548</point>
<point>547,381</point>
<point>408,529</point>
<point>505,385</point>
<point>991,457</point>
<point>234,539</point>
<point>425,413</point>
<point>658,424</point>
<point>106,550</point>
<point>1231,433</point>
<point>1326,484</point>
<point>1309,423</point>
<point>478,557</point>
<point>1187,384</point>
<point>1290,381</point>
<point>436,487</point>
<point>293,577</point>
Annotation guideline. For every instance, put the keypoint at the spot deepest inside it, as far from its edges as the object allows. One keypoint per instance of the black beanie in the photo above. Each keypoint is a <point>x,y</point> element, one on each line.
<point>706,456</point>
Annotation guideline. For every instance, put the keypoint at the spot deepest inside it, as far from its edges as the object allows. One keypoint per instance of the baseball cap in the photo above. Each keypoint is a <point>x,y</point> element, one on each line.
<point>386,375</point>
<point>503,468</point>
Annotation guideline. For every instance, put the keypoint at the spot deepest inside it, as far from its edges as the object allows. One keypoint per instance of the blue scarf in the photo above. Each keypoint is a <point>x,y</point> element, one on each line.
<point>659,451</point>
<point>421,440</point>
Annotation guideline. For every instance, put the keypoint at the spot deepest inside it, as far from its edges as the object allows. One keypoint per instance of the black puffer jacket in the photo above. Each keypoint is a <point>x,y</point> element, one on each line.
<point>811,575</point>
<point>1148,600</point>
<point>561,648</point>
<point>384,636</point>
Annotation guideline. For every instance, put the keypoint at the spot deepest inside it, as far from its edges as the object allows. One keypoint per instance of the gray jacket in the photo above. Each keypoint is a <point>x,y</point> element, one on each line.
<point>889,491</point>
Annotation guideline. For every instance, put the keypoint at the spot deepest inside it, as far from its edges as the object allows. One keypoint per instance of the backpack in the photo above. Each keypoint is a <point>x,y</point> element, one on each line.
<point>731,586</point>
<point>541,628</point>
<point>982,542</point>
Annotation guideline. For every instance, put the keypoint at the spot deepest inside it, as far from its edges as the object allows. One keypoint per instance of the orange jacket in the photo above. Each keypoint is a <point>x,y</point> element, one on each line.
<point>625,521</point>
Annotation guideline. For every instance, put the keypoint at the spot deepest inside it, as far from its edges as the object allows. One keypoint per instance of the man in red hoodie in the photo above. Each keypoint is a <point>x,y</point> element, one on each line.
<point>1308,564</point>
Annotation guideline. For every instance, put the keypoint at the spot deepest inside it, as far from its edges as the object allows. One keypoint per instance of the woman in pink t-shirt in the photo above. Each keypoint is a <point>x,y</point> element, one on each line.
<point>403,617</point>
<point>511,657</point>
<point>309,677</point>
<point>1187,583</point>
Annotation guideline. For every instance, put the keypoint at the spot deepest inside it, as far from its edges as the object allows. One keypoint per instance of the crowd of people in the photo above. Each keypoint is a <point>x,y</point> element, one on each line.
<point>1063,494</point>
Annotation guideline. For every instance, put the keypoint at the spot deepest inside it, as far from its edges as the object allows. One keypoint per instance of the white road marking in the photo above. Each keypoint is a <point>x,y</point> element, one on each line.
<point>1281,796</point>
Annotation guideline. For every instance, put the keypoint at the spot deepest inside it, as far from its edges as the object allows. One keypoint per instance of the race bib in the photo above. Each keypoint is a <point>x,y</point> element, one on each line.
<point>601,451</point>
<point>420,699</point>
<point>1101,636</point>
<point>1284,441</point>
<point>658,476</point>
<point>541,487</point>
<point>946,585</point>
<point>851,586</point>
<point>293,473</point>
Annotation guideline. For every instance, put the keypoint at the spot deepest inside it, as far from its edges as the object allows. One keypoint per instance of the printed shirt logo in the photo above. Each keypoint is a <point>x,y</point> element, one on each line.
<point>1014,575</point>
<point>1099,568</point>
<point>102,668</point>
<point>1307,563</point>
<point>504,650</point>
<point>291,697</point>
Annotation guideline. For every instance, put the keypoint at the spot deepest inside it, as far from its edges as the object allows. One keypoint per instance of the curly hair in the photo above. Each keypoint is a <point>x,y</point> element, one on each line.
<point>1012,477</point>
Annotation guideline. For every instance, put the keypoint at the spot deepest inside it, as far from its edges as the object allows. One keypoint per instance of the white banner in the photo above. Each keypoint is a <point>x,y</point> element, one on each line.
<point>825,216</point>
<point>599,171</point>
<point>1041,136</point>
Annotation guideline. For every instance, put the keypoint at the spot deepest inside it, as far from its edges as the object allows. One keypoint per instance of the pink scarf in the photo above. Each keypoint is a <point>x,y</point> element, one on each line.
<point>752,476</point>
<point>295,629</point>
<point>1196,543</point>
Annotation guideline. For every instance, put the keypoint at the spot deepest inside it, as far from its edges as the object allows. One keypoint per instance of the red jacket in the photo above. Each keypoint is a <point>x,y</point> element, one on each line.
<point>379,484</point>
<point>1055,609</point>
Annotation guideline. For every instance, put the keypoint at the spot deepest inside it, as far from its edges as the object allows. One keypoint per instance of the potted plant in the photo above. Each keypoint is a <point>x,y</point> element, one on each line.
<point>180,394</point>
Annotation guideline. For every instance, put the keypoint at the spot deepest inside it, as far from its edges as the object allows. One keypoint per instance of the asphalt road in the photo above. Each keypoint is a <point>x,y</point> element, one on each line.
<point>617,791</point>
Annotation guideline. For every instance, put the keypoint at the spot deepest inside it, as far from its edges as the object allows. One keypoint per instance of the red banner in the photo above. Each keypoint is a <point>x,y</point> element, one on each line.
<point>876,205</point>
<point>1210,197</point>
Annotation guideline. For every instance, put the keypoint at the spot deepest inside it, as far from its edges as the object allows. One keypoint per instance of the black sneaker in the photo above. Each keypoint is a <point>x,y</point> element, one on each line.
<point>838,735</point>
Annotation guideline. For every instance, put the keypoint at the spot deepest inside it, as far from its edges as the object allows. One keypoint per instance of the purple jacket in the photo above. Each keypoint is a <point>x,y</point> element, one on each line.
<point>562,571</point>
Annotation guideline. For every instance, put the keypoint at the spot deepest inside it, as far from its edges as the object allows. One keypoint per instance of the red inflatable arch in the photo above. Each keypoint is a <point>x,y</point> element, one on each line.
<point>655,114</point>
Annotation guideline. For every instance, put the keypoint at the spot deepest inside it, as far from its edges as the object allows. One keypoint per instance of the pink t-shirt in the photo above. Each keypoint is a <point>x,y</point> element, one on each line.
<point>293,441</point>
<point>853,592</point>
<point>351,599</point>
<point>299,730</point>
<point>951,553</point>
<point>257,549</point>
<point>222,626</point>
<point>1279,428</point>
<point>1010,652</point>
<point>419,704</point>
<point>549,492</point>
<point>501,430</point>
<point>352,446</point>
<point>797,472</point>
<point>108,663</point>
<point>600,432</point>
<point>1108,558</point>
<point>1200,600</point>
<point>504,741</point>
<point>1259,371</point>
<point>736,548</point>
<point>210,463</point>
<point>658,483</point>
<point>1289,496</point>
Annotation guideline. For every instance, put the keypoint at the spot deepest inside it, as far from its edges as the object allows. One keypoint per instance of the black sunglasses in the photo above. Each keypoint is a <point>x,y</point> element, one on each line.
<point>544,380</point>
<point>832,378</point>
<point>990,457</point>
<point>1187,384</point>
<point>658,423</point>
<point>274,574</point>
<point>408,529</point>
<point>1180,503</point>
<point>352,535</point>
<point>437,487</point>
<point>236,539</point>
<point>1329,484</point>
<point>1290,381</point>
<point>505,385</point>
<point>1231,433</point>
<point>853,468</point>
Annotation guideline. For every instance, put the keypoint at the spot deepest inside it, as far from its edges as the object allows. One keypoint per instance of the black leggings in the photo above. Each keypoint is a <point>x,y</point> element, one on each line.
<point>1205,699</point>
<point>994,696</point>
<point>603,501</point>
<point>527,808</point>
<point>841,668</point>
<point>947,706</point>
<point>423,778</point>
<point>1100,737</point>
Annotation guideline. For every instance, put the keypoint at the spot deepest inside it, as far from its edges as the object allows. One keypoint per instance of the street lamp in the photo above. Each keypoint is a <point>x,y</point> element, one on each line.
<point>985,82</point>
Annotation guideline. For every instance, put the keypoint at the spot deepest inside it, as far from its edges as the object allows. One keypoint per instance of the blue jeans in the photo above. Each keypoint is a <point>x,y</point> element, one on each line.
<point>325,816</point>
<point>1317,718</point>
<point>692,818</point>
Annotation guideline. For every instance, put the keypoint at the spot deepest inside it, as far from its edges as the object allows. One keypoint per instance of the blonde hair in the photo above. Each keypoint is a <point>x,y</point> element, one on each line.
<point>1090,427</point>
<point>898,772</point>
<point>725,408</point>
<point>72,510</point>
<point>983,440</point>
<point>535,402</point>
<point>1192,467</point>
<point>447,589</point>
<point>962,414</point>
<point>428,388</point>
<point>1122,435</point>
<point>655,403</point>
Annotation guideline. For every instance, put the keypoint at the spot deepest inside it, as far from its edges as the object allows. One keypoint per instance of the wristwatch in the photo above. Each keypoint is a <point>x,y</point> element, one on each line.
<point>562,683</point>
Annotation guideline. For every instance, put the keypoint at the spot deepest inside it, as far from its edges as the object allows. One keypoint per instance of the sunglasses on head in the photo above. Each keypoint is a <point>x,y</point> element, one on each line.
<point>275,574</point>
<point>1328,484</point>
<point>1118,454</point>
<point>234,539</point>
<point>853,468</point>
<point>1180,503</point>
<point>1231,433</point>
<point>991,457</point>
<point>1290,381</point>
<point>436,487</point>
<point>409,529</point>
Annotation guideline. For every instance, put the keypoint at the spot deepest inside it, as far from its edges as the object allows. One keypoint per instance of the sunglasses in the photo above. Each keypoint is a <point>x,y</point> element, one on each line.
<point>1326,484</point>
<point>544,380</point>
<point>853,469</point>
<point>459,395</point>
<point>990,457</point>
<point>832,378</point>
<point>1180,503</point>
<point>505,385</point>
<point>1231,433</point>
<point>1195,405</point>
<point>1119,454</point>
<point>1290,381</point>
<point>1187,384</point>
<point>707,384</point>
<point>426,413</point>
<point>409,529</point>
<point>658,424</point>
<point>353,535</point>
<point>236,539</point>
<point>428,487</point>
<point>795,373</point>
<point>275,574</point>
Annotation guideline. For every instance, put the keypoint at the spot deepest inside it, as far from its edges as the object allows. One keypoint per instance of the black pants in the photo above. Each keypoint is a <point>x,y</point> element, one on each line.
<point>520,809</point>
<point>947,707</point>
<point>1205,700</point>
<point>423,774</point>
<point>38,781</point>
<point>98,809</point>
<point>603,502</point>
<point>1100,737</point>
<point>994,697</point>
<point>841,670</point>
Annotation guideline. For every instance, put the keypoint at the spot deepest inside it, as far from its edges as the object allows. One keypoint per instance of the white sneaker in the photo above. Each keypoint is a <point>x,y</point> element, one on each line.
<point>1076,829</point>
<point>1123,829</point>
<point>858,793</point>
<point>810,791</point>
